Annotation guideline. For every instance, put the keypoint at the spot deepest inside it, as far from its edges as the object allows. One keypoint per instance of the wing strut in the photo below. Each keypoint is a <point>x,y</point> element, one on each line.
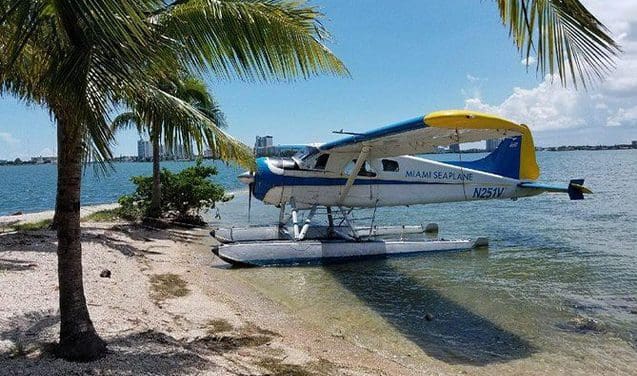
<point>362,157</point>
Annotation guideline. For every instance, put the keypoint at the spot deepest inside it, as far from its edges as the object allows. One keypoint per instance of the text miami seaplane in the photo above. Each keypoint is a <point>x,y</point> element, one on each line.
<point>380,168</point>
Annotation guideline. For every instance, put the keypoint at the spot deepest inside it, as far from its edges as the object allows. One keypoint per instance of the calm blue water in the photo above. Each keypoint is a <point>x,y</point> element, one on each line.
<point>30,188</point>
<point>503,310</point>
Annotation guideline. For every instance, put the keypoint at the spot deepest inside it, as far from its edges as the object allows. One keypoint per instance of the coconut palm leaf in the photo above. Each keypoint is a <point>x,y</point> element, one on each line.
<point>251,39</point>
<point>566,37</point>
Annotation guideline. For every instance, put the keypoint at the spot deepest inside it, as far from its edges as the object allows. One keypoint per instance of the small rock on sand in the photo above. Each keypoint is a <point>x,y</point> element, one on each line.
<point>587,324</point>
<point>105,273</point>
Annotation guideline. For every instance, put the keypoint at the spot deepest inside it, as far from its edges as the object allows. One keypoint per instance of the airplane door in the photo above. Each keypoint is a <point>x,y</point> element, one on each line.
<point>364,192</point>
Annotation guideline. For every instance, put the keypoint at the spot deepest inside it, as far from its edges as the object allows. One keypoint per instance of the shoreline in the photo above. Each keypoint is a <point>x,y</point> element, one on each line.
<point>31,217</point>
<point>170,306</point>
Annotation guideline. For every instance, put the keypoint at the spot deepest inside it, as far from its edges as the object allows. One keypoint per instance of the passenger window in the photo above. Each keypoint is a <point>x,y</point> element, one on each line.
<point>366,170</point>
<point>390,165</point>
<point>321,161</point>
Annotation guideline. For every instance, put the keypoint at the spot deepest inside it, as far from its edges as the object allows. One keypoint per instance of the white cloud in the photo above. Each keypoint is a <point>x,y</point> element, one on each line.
<point>529,60</point>
<point>623,117</point>
<point>474,89</point>
<point>8,138</point>
<point>612,103</point>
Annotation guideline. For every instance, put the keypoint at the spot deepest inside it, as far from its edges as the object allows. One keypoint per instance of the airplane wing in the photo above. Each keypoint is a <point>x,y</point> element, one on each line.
<point>443,128</point>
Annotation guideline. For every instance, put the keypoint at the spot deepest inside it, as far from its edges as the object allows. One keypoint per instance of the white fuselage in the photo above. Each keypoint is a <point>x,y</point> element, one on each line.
<point>406,180</point>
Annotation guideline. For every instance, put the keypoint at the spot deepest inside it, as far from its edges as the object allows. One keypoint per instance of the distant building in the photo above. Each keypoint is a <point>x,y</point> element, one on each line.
<point>144,150</point>
<point>43,160</point>
<point>269,150</point>
<point>493,144</point>
<point>180,152</point>
<point>634,144</point>
<point>454,148</point>
<point>263,145</point>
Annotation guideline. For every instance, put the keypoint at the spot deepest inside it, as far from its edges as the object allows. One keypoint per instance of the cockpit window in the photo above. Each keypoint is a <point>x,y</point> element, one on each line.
<point>366,169</point>
<point>390,165</point>
<point>305,153</point>
<point>321,161</point>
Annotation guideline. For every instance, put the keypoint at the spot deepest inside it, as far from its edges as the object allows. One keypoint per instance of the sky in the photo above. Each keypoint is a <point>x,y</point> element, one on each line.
<point>407,58</point>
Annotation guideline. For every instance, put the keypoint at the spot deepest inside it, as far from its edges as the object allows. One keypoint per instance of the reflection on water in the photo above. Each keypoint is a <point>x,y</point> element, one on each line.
<point>512,308</point>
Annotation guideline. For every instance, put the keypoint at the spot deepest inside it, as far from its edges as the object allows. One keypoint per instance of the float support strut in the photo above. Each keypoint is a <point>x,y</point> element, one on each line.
<point>306,225</point>
<point>295,218</point>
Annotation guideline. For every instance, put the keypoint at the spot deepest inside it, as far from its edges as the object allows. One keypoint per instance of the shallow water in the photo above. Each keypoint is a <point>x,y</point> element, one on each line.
<point>506,309</point>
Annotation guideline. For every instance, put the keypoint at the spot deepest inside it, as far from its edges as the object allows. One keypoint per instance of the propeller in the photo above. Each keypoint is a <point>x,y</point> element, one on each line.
<point>250,190</point>
<point>248,178</point>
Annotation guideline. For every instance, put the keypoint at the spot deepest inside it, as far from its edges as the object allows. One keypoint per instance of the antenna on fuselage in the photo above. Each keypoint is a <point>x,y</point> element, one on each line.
<point>341,131</point>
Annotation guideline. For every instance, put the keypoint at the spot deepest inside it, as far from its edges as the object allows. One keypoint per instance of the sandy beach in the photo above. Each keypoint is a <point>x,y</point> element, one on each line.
<point>168,307</point>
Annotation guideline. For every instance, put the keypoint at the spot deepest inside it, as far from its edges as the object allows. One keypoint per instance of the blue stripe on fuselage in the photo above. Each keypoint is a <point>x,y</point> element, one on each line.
<point>266,180</point>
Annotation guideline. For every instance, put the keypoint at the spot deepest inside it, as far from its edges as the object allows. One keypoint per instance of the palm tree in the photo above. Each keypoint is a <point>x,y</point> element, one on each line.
<point>159,123</point>
<point>77,58</point>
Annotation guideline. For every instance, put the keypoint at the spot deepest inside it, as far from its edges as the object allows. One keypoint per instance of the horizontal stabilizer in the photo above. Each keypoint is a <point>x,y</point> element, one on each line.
<point>575,188</point>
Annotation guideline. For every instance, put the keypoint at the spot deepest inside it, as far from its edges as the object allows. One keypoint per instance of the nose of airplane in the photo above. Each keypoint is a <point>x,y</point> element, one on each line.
<point>247,177</point>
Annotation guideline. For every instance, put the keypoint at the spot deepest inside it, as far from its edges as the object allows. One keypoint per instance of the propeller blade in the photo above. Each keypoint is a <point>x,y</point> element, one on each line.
<point>250,189</point>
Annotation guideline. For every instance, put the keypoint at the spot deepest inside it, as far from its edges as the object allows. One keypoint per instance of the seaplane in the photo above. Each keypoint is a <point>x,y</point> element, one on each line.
<point>383,167</point>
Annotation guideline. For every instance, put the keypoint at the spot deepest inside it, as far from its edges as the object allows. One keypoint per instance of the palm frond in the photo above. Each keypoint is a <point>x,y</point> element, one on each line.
<point>567,38</point>
<point>252,39</point>
<point>127,120</point>
<point>184,124</point>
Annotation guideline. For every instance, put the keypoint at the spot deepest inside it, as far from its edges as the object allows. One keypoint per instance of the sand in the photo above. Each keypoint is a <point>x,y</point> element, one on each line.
<point>169,307</point>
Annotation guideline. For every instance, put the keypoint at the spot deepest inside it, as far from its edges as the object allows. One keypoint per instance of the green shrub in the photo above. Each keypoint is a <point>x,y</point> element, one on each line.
<point>106,215</point>
<point>33,226</point>
<point>183,194</point>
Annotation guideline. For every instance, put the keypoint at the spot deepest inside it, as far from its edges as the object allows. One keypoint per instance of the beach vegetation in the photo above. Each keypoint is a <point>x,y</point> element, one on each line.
<point>218,325</point>
<point>184,195</point>
<point>33,226</point>
<point>18,349</point>
<point>107,215</point>
<point>277,367</point>
<point>177,136</point>
<point>168,285</point>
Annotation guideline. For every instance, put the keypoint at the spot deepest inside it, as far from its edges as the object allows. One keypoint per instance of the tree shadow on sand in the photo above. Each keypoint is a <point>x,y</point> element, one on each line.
<point>453,333</point>
<point>147,352</point>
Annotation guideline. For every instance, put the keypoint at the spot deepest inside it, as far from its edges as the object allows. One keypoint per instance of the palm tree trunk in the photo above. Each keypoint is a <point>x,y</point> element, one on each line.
<point>155,202</point>
<point>54,222</point>
<point>78,338</point>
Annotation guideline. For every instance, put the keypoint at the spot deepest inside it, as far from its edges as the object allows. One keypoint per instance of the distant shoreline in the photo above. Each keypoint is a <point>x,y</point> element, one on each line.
<point>130,159</point>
